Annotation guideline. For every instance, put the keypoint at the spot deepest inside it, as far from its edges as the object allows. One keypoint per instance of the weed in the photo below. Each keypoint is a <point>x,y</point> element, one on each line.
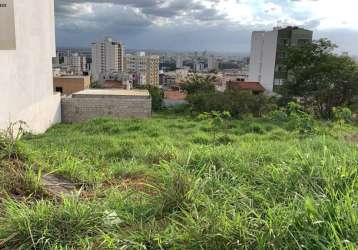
<point>45,224</point>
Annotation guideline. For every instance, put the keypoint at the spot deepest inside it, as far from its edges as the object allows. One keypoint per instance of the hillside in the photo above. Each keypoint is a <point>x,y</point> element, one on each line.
<point>172,183</point>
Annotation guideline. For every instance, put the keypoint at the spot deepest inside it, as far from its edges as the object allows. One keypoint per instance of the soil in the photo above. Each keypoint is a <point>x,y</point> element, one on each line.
<point>58,186</point>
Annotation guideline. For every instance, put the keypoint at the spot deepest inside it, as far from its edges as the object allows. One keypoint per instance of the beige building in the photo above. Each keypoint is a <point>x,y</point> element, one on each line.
<point>107,58</point>
<point>68,85</point>
<point>146,67</point>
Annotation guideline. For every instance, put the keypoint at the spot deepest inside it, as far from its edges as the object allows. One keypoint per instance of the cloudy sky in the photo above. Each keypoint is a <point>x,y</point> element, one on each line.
<point>188,25</point>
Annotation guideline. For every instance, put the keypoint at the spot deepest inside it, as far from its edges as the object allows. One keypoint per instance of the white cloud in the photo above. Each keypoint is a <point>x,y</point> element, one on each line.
<point>332,13</point>
<point>194,19</point>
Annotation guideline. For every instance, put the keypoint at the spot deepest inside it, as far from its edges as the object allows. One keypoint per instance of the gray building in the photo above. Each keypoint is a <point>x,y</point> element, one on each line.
<point>287,37</point>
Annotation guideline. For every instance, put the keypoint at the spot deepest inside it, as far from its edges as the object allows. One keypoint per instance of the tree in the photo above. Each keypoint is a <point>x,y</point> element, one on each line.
<point>321,79</point>
<point>203,97</point>
<point>196,84</point>
<point>95,85</point>
<point>216,120</point>
<point>156,95</point>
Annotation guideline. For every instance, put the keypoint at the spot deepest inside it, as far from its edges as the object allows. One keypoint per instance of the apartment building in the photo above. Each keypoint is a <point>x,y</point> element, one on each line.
<point>27,45</point>
<point>144,67</point>
<point>76,63</point>
<point>212,63</point>
<point>198,67</point>
<point>268,52</point>
<point>70,65</point>
<point>179,61</point>
<point>107,58</point>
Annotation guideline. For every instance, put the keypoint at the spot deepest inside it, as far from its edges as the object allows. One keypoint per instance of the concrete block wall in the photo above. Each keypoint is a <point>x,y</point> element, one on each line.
<point>81,109</point>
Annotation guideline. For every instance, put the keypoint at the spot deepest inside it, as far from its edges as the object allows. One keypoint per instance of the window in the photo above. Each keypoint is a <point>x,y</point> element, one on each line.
<point>7,25</point>
<point>303,41</point>
<point>59,89</point>
<point>278,81</point>
<point>283,42</point>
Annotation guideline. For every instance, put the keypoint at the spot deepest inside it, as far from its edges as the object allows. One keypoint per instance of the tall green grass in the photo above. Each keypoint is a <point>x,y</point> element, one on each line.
<point>166,183</point>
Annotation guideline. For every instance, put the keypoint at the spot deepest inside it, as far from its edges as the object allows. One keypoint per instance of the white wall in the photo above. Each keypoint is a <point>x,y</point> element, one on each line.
<point>263,57</point>
<point>26,83</point>
<point>269,58</point>
<point>256,54</point>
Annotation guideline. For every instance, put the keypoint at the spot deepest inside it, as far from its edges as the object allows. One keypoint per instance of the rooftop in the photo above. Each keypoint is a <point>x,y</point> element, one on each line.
<point>111,92</point>
<point>72,77</point>
<point>254,86</point>
<point>114,84</point>
<point>174,95</point>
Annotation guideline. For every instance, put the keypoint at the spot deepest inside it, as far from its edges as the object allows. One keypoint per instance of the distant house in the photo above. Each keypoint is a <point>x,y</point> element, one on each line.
<point>68,85</point>
<point>173,97</point>
<point>114,84</point>
<point>254,87</point>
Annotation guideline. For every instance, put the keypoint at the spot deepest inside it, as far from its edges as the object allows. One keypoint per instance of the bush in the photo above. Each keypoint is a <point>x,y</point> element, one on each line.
<point>237,103</point>
<point>342,115</point>
<point>203,97</point>
<point>180,109</point>
<point>96,85</point>
<point>198,84</point>
<point>296,118</point>
<point>256,128</point>
<point>299,119</point>
<point>303,122</point>
<point>278,115</point>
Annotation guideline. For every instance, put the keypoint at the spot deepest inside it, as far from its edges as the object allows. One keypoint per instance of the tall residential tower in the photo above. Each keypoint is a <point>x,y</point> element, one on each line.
<point>107,58</point>
<point>268,52</point>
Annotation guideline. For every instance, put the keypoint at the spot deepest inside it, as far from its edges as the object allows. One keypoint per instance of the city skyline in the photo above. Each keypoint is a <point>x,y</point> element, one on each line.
<point>190,25</point>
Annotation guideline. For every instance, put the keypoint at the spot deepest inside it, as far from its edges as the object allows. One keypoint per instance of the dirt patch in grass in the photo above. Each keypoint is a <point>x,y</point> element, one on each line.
<point>58,186</point>
<point>140,183</point>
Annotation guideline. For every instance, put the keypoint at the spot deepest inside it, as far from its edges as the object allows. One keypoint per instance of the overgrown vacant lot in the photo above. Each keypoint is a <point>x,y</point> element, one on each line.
<point>170,183</point>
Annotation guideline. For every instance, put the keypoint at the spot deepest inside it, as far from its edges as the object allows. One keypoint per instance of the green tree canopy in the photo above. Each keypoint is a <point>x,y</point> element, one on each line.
<point>156,94</point>
<point>199,84</point>
<point>319,77</point>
